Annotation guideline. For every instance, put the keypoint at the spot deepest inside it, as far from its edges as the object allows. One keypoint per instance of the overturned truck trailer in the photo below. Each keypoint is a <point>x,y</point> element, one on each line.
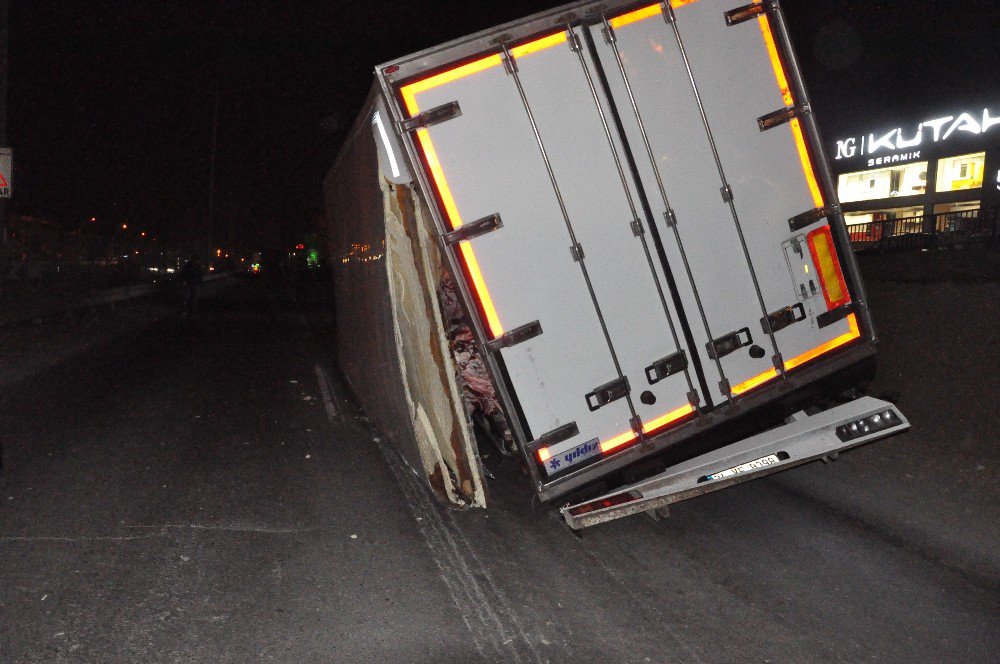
<point>643,231</point>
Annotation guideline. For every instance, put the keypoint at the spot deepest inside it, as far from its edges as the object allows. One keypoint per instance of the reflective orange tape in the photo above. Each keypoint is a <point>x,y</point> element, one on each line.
<point>409,93</point>
<point>650,426</point>
<point>786,97</point>
<point>643,13</point>
<point>852,333</point>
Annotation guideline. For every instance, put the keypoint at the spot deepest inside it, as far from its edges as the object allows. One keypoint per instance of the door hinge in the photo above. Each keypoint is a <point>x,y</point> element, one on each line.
<point>473,229</point>
<point>833,315</point>
<point>744,13</point>
<point>725,388</point>
<point>810,217</point>
<point>778,362</point>
<point>431,116</point>
<point>607,31</point>
<point>557,435</point>
<point>515,336</point>
<point>781,116</point>
<point>509,64</point>
<point>668,12</point>
<point>573,40</point>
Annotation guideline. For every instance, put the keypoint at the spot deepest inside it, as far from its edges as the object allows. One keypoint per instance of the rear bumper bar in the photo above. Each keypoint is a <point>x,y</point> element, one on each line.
<point>804,439</point>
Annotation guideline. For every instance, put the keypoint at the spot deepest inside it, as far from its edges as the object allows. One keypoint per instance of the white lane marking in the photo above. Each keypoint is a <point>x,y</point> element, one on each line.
<point>82,538</point>
<point>160,531</point>
<point>324,388</point>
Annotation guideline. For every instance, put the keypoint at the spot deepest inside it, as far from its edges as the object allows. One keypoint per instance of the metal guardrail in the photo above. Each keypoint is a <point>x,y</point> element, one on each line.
<point>926,231</point>
<point>103,298</point>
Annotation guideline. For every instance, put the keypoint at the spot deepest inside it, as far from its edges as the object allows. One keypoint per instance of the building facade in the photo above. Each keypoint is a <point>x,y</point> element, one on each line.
<point>919,174</point>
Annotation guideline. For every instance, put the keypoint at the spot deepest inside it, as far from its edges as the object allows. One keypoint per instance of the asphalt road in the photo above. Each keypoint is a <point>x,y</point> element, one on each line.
<point>185,492</point>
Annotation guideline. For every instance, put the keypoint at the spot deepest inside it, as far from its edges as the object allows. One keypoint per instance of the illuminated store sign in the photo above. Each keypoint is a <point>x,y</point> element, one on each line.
<point>904,144</point>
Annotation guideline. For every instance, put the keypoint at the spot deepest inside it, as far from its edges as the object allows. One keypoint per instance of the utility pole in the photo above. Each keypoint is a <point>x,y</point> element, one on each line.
<point>211,177</point>
<point>4,39</point>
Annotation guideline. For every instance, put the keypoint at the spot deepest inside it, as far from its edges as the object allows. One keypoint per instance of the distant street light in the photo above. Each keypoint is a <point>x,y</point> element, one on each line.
<point>124,226</point>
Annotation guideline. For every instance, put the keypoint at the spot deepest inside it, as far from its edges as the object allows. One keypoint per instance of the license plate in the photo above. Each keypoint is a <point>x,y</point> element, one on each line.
<point>747,467</point>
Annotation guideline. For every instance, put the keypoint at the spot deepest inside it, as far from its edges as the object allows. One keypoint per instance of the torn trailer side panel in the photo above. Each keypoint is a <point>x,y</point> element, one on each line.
<point>391,345</point>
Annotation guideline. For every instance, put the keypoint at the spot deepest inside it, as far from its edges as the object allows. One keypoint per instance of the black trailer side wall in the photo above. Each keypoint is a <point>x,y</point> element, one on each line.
<point>356,245</point>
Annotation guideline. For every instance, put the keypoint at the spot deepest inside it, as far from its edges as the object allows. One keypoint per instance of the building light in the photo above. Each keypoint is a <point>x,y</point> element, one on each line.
<point>887,182</point>
<point>961,172</point>
<point>929,131</point>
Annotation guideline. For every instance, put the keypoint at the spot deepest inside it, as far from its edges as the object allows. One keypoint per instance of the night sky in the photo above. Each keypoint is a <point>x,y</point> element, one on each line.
<point>110,108</point>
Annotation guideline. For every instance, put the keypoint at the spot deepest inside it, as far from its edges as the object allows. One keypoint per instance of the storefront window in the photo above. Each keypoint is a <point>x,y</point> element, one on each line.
<point>903,180</point>
<point>963,206</point>
<point>872,225</point>
<point>854,218</point>
<point>961,172</point>
<point>952,217</point>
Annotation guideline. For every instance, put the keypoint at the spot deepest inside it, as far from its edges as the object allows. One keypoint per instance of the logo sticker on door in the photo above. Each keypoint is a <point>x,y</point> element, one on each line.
<point>560,462</point>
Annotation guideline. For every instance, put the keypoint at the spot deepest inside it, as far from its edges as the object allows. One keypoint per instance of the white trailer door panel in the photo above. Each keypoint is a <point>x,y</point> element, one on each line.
<point>643,219</point>
<point>489,161</point>
<point>740,79</point>
<point>768,172</point>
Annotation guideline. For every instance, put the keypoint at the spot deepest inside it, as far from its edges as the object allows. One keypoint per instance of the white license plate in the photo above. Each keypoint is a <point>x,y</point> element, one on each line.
<point>756,464</point>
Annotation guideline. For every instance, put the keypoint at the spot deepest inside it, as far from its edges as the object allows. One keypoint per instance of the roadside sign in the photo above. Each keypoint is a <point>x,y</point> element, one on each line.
<point>6,166</point>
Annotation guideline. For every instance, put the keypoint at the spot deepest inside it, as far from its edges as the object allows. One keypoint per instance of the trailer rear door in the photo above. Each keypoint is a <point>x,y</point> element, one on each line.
<point>623,222</point>
<point>731,185</point>
<point>530,146</point>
